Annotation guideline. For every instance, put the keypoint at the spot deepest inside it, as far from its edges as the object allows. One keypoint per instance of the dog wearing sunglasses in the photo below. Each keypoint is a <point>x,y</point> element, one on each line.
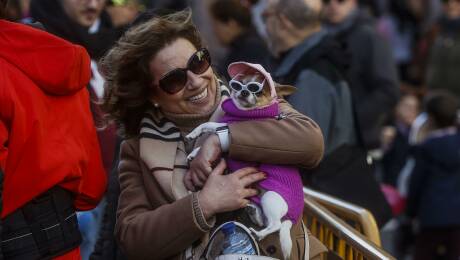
<point>280,201</point>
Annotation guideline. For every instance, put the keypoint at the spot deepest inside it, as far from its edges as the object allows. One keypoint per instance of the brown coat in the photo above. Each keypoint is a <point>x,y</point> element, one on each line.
<point>152,226</point>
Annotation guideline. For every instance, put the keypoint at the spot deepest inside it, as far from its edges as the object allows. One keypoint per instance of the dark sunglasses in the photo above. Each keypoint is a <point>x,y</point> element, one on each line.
<point>328,1</point>
<point>175,80</point>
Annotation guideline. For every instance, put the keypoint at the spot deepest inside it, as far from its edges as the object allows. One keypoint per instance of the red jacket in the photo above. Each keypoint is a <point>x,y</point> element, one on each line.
<point>47,134</point>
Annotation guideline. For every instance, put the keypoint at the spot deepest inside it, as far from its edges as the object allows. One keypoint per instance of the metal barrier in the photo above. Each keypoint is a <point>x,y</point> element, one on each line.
<point>357,217</point>
<point>338,236</point>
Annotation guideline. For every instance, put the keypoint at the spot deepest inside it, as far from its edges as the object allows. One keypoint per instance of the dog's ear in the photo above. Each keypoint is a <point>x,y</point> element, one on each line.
<point>284,90</point>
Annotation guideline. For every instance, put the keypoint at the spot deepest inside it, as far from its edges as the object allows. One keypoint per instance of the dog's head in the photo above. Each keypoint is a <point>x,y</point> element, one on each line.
<point>252,86</point>
<point>250,90</point>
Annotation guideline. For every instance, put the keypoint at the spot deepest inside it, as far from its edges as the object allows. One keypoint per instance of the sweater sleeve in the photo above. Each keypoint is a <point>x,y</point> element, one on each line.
<point>293,140</point>
<point>147,231</point>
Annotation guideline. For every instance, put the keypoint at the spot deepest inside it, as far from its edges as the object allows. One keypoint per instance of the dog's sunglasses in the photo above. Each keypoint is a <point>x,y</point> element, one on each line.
<point>253,87</point>
<point>175,80</point>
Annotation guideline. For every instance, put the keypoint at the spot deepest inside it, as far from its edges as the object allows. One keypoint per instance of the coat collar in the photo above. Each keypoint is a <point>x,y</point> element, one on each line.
<point>294,55</point>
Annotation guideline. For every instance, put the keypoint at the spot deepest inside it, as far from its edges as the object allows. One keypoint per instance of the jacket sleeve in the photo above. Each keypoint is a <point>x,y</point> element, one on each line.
<point>147,231</point>
<point>94,178</point>
<point>416,182</point>
<point>293,140</point>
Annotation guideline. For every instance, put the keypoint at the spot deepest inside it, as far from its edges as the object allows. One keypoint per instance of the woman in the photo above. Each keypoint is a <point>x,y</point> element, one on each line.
<point>159,87</point>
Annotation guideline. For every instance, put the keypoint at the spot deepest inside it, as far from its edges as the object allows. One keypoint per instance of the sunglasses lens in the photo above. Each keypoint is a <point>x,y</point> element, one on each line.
<point>235,86</point>
<point>200,61</point>
<point>254,88</point>
<point>174,81</point>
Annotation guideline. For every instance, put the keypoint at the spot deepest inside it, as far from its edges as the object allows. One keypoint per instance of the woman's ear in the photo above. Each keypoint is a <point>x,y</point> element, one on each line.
<point>284,90</point>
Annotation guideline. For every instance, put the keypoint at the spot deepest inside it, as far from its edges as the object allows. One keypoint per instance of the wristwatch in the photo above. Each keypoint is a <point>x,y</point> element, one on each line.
<point>224,138</point>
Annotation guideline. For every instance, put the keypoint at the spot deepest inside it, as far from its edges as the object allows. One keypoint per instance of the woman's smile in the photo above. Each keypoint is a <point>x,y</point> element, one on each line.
<point>200,97</point>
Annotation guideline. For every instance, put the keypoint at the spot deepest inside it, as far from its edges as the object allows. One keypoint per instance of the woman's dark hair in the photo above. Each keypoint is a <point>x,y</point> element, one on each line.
<point>128,86</point>
<point>442,107</point>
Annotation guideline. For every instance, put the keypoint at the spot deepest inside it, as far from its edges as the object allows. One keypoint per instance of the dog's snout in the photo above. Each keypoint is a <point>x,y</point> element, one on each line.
<point>245,93</point>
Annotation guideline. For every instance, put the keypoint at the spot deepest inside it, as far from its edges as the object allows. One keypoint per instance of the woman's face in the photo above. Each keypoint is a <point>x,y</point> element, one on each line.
<point>199,94</point>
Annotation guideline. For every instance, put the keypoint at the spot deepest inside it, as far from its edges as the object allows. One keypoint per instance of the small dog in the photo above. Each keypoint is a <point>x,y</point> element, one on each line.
<point>253,97</point>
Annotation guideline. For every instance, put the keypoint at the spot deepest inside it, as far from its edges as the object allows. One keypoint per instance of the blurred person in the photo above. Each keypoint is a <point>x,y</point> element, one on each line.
<point>401,27</point>
<point>443,61</point>
<point>407,25</point>
<point>396,153</point>
<point>123,12</point>
<point>13,11</point>
<point>395,139</point>
<point>158,101</point>
<point>232,25</point>
<point>434,194</point>
<point>372,73</point>
<point>49,151</point>
<point>312,61</point>
<point>86,23</point>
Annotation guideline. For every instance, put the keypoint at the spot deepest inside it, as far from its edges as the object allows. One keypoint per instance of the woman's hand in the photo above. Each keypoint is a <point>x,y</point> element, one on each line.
<point>201,165</point>
<point>223,193</point>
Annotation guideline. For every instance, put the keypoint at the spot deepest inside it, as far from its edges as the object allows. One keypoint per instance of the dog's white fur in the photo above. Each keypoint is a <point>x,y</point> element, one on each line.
<point>273,205</point>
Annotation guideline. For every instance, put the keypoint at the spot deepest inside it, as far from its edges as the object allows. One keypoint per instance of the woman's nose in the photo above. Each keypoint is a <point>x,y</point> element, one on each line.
<point>193,80</point>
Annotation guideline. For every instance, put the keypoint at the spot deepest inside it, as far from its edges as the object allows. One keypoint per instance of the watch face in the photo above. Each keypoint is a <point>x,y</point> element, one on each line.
<point>222,129</point>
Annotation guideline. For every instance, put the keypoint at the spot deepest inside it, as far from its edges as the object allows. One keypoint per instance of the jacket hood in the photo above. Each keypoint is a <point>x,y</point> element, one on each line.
<point>53,64</point>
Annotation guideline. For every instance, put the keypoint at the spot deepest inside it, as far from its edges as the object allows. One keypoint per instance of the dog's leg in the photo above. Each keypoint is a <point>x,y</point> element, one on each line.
<point>209,127</point>
<point>285,238</point>
<point>193,154</point>
<point>274,208</point>
<point>255,214</point>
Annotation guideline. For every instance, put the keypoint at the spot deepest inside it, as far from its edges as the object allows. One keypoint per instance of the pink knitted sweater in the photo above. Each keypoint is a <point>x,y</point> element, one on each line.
<point>281,179</point>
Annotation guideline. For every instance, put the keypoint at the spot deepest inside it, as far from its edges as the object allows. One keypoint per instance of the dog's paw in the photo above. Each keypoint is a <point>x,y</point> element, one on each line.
<point>193,154</point>
<point>258,235</point>
<point>193,135</point>
<point>190,157</point>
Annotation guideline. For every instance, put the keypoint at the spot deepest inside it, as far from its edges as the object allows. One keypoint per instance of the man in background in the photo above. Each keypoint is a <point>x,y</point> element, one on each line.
<point>312,61</point>
<point>372,70</point>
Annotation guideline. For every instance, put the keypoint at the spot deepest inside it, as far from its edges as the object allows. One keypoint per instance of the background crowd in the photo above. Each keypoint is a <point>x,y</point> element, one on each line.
<point>380,77</point>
